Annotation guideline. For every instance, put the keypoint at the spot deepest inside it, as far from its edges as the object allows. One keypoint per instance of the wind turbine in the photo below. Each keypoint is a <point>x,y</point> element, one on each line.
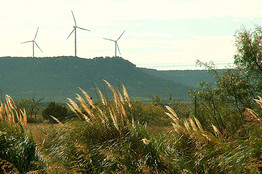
<point>74,30</point>
<point>34,43</point>
<point>116,44</point>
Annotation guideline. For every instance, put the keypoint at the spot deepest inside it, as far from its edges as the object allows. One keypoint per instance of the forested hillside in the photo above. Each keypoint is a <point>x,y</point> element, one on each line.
<point>59,77</point>
<point>191,78</point>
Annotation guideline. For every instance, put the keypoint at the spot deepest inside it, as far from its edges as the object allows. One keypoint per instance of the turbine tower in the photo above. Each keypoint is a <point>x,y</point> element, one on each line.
<point>74,30</point>
<point>116,44</point>
<point>34,43</point>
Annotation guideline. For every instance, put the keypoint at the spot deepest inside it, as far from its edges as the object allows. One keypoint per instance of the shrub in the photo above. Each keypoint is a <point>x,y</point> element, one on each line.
<point>55,110</point>
<point>17,149</point>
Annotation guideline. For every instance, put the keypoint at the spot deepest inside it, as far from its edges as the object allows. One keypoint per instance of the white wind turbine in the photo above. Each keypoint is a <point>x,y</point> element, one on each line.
<point>34,43</point>
<point>74,30</point>
<point>116,44</point>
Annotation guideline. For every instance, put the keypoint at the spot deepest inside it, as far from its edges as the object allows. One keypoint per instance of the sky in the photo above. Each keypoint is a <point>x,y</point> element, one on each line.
<point>160,34</point>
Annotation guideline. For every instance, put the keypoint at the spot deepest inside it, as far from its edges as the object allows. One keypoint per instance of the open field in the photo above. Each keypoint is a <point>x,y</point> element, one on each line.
<point>106,137</point>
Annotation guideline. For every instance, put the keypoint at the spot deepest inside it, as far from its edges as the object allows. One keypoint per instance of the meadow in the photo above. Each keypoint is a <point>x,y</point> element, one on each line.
<point>218,131</point>
<point>106,137</point>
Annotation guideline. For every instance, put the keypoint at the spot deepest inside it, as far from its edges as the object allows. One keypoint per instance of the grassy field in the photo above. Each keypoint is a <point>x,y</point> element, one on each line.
<point>107,137</point>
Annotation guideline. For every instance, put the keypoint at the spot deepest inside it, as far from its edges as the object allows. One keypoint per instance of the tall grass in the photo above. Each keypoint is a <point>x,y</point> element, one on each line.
<point>112,114</point>
<point>10,113</point>
<point>213,152</point>
<point>106,138</point>
<point>17,148</point>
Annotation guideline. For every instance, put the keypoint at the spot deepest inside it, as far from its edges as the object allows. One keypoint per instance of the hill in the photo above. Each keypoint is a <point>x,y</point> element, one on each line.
<point>190,78</point>
<point>56,78</point>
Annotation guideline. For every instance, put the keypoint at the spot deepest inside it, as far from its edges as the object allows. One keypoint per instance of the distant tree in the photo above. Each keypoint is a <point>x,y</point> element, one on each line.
<point>157,100</point>
<point>58,111</point>
<point>31,106</point>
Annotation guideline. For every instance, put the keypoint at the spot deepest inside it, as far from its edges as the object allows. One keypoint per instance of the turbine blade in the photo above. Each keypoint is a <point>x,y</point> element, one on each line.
<point>109,39</point>
<point>36,33</point>
<point>120,36</point>
<point>38,46</point>
<point>73,17</point>
<point>83,28</point>
<point>118,48</point>
<point>71,33</point>
<point>26,42</point>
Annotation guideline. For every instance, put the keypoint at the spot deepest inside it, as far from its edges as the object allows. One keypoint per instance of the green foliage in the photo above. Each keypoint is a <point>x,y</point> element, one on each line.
<point>249,50</point>
<point>56,110</point>
<point>56,78</point>
<point>107,141</point>
<point>203,151</point>
<point>223,137</point>
<point>148,113</point>
<point>17,147</point>
<point>238,148</point>
<point>32,108</point>
<point>84,148</point>
<point>226,102</point>
<point>235,88</point>
<point>190,78</point>
<point>249,56</point>
<point>153,112</point>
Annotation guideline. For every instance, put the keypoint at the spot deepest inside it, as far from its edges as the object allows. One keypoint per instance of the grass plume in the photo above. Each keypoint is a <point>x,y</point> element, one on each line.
<point>113,114</point>
<point>10,112</point>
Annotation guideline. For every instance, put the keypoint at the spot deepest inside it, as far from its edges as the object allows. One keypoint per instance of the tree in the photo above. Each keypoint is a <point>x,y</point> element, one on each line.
<point>235,88</point>
<point>56,110</point>
<point>249,49</point>
<point>31,106</point>
<point>249,55</point>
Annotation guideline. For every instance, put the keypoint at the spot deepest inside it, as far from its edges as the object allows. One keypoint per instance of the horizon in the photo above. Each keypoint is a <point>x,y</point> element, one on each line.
<point>158,67</point>
<point>164,32</point>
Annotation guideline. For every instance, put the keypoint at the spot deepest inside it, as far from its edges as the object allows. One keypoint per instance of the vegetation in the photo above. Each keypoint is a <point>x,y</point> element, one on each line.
<point>58,111</point>
<point>18,151</point>
<point>190,78</point>
<point>32,108</point>
<point>57,78</point>
<point>107,141</point>
<point>220,131</point>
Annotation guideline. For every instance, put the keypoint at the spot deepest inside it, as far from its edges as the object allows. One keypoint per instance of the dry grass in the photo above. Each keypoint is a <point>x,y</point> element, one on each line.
<point>10,112</point>
<point>156,130</point>
<point>18,150</point>
<point>113,112</point>
<point>41,131</point>
<point>252,114</point>
<point>191,127</point>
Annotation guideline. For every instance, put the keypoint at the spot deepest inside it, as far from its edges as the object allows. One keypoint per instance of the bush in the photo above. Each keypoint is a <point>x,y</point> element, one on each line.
<point>56,110</point>
<point>18,148</point>
<point>18,151</point>
<point>107,140</point>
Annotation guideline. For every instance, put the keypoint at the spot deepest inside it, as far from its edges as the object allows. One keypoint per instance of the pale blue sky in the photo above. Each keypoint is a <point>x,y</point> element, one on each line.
<point>158,32</point>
